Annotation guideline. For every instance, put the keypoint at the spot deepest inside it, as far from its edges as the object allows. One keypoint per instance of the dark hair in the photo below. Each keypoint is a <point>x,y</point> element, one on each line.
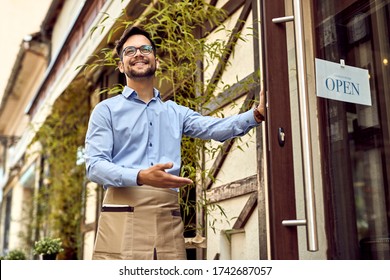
<point>127,34</point>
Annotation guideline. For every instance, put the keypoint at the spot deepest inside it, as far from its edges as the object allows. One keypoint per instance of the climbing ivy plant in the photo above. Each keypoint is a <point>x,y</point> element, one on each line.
<point>60,196</point>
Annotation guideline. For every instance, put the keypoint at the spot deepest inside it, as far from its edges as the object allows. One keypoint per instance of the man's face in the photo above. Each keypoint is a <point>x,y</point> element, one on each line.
<point>138,66</point>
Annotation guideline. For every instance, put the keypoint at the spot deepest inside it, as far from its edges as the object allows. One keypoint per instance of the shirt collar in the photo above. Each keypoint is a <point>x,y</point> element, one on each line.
<point>128,92</point>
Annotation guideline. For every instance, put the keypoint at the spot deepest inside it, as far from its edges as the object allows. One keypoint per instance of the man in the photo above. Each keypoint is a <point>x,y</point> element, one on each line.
<point>133,150</point>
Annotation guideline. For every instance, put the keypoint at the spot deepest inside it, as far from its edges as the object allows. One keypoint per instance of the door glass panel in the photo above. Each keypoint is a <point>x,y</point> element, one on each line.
<point>357,147</point>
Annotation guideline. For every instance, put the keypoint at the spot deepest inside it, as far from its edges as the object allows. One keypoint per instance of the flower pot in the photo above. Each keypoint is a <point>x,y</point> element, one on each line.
<point>49,257</point>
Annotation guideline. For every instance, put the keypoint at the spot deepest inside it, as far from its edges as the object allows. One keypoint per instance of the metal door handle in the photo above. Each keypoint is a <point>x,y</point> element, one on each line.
<point>294,223</point>
<point>310,222</point>
<point>283,19</point>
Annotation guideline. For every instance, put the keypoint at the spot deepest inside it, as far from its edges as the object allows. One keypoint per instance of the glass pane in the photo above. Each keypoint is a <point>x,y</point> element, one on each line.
<point>357,144</point>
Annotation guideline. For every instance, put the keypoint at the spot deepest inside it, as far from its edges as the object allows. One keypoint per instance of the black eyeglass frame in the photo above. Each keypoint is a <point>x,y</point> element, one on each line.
<point>144,49</point>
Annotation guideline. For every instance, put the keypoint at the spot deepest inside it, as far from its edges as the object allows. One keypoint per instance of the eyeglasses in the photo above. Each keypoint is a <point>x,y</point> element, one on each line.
<point>131,50</point>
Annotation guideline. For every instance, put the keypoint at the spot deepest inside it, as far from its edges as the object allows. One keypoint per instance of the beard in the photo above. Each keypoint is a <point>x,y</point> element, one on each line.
<point>135,74</point>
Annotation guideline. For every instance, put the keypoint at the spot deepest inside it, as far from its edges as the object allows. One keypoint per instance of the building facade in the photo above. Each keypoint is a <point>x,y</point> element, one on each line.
<point>311,182</point>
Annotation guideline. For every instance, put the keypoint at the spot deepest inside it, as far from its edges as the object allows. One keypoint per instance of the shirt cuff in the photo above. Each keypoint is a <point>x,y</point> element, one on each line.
<point>249,118</point>
<point>129,177</point>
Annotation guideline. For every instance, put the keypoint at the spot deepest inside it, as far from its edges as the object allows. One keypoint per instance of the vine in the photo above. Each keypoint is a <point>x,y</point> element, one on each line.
<point>59,200</point>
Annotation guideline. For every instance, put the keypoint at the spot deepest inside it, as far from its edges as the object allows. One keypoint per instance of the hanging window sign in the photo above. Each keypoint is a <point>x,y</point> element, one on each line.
<point>341,82</point>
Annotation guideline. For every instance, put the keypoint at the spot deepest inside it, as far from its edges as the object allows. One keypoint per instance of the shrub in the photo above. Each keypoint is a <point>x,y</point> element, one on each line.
<point>15,255</point>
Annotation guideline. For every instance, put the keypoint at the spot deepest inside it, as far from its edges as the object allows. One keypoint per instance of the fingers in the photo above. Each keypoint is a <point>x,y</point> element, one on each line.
<point>260,109</point>
<point>262,97</point>
<point>172,181</point>
<point>167,180</point>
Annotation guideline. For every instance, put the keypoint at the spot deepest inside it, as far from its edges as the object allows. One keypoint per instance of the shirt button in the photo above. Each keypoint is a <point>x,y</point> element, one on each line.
<point>151,163</point>
<point>150,144</point>
<point>150,123</point>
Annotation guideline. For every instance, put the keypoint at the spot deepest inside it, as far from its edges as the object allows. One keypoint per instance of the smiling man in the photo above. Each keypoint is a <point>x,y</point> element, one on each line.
<point>133,149</point>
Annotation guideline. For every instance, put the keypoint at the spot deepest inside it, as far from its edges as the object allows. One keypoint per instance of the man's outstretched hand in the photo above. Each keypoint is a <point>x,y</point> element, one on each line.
<point>156,176</point>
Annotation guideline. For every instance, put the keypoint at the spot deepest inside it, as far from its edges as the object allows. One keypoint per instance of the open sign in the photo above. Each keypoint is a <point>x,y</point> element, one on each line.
<point>341,82</point>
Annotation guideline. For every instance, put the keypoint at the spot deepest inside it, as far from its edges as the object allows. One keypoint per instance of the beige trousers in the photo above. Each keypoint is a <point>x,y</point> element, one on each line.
<point>140,223</point>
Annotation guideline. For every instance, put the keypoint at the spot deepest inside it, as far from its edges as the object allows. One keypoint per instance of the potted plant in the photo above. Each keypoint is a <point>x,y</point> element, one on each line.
<point>48,247</point>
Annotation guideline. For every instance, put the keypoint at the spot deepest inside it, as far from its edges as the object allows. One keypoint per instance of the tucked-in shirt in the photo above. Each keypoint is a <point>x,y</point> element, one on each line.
<point>126,135</point>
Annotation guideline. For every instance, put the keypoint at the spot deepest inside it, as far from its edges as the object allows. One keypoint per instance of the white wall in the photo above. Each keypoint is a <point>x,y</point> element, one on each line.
<point>64,23</point>
<point>240,163</point>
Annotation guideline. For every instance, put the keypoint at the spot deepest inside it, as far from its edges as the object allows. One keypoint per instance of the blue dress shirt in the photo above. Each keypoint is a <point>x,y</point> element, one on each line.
<point>126,135</point>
